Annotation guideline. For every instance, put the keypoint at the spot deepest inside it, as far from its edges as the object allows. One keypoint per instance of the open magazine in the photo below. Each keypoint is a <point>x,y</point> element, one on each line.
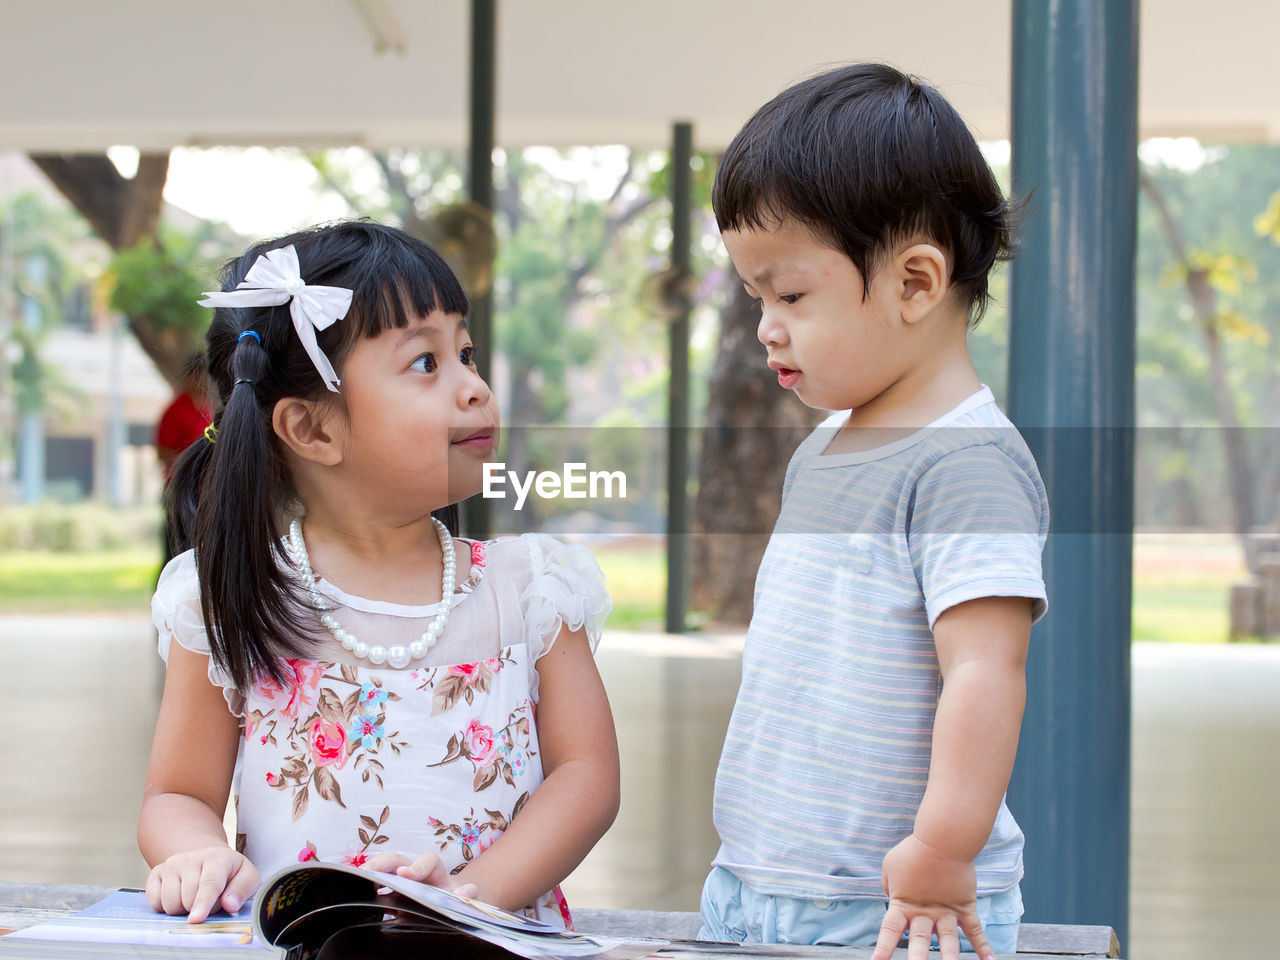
<point>315,911</point>
<point>327,911</point>
<point>123,925</point>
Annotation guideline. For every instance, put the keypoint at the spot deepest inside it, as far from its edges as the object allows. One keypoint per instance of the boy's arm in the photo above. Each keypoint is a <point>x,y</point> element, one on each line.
<point>929,876</point>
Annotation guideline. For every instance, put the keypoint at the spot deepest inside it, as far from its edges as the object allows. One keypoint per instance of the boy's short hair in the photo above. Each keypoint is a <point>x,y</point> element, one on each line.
<point>866,156</point>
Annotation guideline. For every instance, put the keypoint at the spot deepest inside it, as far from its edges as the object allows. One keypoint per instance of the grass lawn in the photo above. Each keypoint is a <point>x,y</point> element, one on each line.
<point>38,582</point>
<point>1181,584</point>
<point>117,580</point>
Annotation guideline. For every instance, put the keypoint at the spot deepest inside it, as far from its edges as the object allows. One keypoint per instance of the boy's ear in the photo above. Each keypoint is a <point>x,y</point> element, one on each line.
<point>305,429</point>
<point>923,273</point>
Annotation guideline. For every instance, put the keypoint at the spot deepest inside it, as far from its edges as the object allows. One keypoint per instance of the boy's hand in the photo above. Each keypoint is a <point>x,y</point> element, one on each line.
<point>929,892</point>
<point>428,869</point>
<point>199,881</point>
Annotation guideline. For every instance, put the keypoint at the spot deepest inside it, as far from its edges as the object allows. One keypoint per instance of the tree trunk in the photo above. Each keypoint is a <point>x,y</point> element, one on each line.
<point>752,430</point>
<point>1203,303</point>
<point>123,212</point>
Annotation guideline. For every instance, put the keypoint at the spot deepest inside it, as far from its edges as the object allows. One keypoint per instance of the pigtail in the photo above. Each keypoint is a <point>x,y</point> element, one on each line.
<point>249,606</point>
<point>182,492</point>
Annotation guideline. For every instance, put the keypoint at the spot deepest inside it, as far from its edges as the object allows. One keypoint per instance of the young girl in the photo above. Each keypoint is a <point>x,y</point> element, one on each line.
<point>373,691</point>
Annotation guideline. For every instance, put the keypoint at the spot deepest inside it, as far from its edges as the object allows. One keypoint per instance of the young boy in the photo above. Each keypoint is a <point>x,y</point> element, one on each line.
<point>860,792</point>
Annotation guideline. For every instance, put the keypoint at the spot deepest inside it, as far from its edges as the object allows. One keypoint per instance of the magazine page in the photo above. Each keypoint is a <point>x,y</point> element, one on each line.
<point>124,918</point>
<point>302,906</point>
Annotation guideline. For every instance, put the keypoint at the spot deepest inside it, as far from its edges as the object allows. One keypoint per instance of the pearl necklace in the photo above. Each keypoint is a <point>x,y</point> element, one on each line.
<point>398,655</point>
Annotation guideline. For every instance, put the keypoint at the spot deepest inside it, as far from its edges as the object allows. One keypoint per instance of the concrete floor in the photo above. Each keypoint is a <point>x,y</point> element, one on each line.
<point>78,698</point>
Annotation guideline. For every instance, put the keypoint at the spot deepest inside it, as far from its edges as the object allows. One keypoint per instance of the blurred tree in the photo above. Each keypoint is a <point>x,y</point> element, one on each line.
<point>52,271</point>
<point>752,428</point>
<point>1207,332</point>
<point>125,212</point>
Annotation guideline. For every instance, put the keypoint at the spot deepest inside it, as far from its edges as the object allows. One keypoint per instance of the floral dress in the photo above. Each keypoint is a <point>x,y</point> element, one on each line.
<point>346,760</point>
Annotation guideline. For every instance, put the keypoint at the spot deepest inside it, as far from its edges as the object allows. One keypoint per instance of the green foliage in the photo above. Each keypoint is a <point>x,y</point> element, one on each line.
<point>1216,207</point>
<point>162,282</point>
<point>1267,223</point>
<point>704,177</point>
<point>54,260</point>
<point>77,528</point>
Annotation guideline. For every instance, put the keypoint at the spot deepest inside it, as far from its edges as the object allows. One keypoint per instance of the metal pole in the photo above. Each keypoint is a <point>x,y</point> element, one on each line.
<point>116,429</point>
<point>8,396</point>
<point>678,385</point>
<point>1071,375</point>
<point>476,515</point>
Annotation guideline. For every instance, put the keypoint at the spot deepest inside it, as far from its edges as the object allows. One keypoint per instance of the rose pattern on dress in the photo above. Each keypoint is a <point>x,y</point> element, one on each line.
<point>474,835</point>
<point>335,730</point>
<point>461,681</point>
<point>502,754</point>
<point>370,834</point>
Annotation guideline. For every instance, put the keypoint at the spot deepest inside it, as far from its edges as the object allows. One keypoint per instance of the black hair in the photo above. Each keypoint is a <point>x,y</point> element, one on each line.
<point>228,498</point>
<point>865,156</point>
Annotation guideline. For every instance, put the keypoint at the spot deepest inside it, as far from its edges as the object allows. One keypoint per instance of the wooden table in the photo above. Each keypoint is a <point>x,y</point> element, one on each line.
<point>22,904</point>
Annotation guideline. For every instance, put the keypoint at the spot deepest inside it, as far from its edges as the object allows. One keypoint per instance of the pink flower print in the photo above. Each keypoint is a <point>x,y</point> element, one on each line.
<point>357,859</point>
<point>479,741</point>
<point>301,691</point>
<point>466,671</point>
<point>328,744</point>
<point>477,554</point>
<point>308,853</point>
<point>563,904</point>
<point>272,779</point>
<point>494,664</point>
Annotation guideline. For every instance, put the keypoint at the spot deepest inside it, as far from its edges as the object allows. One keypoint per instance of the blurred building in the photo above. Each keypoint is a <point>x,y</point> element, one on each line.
<point>93,435</point>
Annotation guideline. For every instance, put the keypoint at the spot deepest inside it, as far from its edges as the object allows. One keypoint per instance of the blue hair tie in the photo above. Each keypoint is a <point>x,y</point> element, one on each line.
<point>249,333</point>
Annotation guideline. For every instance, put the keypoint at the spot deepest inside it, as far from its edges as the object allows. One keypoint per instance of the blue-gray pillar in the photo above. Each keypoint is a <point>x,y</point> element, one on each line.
<point>678,384</point>
<point>477,517</point>
<point>1071,376</point>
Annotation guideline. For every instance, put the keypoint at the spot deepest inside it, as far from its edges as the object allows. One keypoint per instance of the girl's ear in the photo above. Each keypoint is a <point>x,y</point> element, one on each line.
<point>923,273</point>
<point>305,426</point>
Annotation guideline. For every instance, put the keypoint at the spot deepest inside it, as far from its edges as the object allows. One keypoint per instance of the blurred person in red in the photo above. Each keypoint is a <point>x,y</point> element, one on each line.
<point>185,420</point>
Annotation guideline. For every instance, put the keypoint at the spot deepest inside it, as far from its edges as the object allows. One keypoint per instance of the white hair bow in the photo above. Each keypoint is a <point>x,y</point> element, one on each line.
<point>276,278</point>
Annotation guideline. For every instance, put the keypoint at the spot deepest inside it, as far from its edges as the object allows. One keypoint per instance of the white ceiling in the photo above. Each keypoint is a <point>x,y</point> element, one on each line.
<point>85,74</point>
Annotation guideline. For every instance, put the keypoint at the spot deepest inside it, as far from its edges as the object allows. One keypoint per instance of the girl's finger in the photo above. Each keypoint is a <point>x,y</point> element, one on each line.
<point>152,889</point>
<point>428,869</point>
<point>191,875</point>
<point>171,892</point>
<point>921,937</point>
<point>891,928</point>
<point>387,863</point>
<point>242,885</point>
<point>208,890</point>
<point>468,890</point>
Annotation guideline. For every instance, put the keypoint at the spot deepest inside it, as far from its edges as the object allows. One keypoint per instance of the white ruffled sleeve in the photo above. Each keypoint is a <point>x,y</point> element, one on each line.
<point>176,614</point>
<point>566,590</point>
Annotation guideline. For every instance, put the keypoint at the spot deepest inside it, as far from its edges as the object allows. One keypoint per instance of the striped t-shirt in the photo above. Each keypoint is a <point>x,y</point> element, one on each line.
<point>827,753</point>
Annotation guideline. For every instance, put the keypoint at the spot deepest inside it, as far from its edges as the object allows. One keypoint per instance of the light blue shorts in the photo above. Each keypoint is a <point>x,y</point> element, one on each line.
<point>734,913</point>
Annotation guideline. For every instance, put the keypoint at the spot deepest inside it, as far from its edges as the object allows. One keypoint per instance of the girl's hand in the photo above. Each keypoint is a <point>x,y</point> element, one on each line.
<point>428,869</point>
<point>929,892</point>
<point>195,882</point>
